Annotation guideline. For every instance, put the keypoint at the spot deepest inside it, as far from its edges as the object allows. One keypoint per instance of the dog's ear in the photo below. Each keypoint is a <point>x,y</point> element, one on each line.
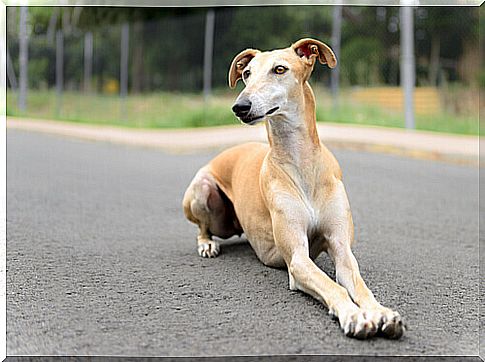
<point>239,63</point>
<point>311,49</point>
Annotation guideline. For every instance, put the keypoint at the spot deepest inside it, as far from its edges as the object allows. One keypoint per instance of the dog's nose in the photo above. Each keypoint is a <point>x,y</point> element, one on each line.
<point>242,107</point>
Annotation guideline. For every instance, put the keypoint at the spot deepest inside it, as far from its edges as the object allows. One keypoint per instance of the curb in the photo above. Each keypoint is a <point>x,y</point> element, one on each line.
<point>458,149</point>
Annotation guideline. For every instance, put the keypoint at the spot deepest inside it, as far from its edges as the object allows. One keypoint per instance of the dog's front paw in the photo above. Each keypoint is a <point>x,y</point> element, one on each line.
<point>358,324</point>
<point>389,323</point>
<point>208,249</point>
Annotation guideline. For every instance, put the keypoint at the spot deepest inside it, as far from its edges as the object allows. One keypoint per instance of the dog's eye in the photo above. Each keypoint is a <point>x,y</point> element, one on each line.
<point>279,69</point>
<point>246,74</point>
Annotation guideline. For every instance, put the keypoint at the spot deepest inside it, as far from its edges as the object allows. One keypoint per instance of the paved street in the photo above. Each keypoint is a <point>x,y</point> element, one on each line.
<point>101,260</point>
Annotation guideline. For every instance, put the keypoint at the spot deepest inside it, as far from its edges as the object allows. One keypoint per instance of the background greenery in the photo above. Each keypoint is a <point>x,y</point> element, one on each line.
<point>166,62</point>
<point>176,110</point>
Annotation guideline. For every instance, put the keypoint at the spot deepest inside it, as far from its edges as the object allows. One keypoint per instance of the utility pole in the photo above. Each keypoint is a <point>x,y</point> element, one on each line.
<point>408,75</point>
<point>336,36</point>
<point>88,60</point>
<point>23,59</point>
<point>208,52</point>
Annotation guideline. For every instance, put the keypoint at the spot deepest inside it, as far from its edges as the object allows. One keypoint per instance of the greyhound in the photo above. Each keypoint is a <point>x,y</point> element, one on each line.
<point>288,198</point>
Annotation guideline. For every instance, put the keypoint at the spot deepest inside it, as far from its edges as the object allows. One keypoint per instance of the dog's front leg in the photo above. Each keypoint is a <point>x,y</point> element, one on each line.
<point>289,230</point>
<point>388,321</point>
<point>340,230</point>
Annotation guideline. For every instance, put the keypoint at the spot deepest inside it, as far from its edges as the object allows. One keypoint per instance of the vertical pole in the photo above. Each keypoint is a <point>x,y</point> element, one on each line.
<point>125,33</point>
<point>407,64</point>
<point>125,42</point>
<point>59,69</point>
<point>52,25</point>
<point>208,52</point>
<point>336,36</point>
<point>23,59</point>
<point>88,61</point>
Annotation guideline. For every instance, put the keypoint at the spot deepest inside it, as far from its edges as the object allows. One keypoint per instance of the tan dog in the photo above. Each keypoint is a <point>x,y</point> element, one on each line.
<point>288,198</point>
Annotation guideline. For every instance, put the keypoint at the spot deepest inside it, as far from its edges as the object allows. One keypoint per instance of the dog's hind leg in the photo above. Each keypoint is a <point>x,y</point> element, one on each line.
<point>205,205</point>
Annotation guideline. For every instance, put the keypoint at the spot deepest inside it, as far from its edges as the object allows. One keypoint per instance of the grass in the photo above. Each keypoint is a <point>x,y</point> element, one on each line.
<point>179,110</point>
<point>156,110</point>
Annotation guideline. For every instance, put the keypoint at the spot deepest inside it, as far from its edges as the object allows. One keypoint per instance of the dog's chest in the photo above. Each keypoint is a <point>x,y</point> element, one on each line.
<point>325,203</point>
<point>313,194</point>
<point>316,201</point>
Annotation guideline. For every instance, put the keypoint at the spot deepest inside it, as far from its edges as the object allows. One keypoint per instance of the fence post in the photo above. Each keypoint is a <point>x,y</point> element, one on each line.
<point>23,59</point>
<point>208,52</point>
<point>59,69</point>
<point>407,64</point>
<point>336,36</point>
<point>88,60</point>
<point>125,43</point>
<point>51,28</point>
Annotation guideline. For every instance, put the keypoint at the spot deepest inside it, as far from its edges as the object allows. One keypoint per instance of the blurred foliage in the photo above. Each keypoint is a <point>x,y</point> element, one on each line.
<point>167,49</point>
<point>364,69</point>
<point>167,44</point>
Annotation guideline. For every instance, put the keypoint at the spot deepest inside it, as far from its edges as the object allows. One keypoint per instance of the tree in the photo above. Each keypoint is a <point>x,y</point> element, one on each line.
<point>442,33</point>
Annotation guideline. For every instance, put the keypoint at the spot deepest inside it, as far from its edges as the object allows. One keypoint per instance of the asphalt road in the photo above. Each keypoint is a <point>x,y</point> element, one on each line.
<point>101,261</point>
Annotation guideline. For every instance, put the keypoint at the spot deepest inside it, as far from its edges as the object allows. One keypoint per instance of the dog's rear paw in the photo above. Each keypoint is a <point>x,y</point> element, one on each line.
<point>209,249</point>
<point>359,325</point>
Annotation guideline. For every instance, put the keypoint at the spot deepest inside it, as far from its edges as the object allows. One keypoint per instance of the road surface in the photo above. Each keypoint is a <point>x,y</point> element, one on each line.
<point>101,261</point>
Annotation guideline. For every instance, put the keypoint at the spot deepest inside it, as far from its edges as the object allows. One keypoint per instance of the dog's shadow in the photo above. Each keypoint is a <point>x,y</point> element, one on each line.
<point>238,250</point>
<point>238,247</point>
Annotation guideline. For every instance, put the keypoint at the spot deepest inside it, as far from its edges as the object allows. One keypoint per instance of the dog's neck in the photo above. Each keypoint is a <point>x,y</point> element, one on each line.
<point>293,135</point>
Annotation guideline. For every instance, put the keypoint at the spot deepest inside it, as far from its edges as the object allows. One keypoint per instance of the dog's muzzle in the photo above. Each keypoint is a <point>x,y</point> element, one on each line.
<point>242,109</point>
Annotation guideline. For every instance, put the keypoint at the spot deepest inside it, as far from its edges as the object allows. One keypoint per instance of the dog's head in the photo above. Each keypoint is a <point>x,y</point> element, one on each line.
<point>274,80</point>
